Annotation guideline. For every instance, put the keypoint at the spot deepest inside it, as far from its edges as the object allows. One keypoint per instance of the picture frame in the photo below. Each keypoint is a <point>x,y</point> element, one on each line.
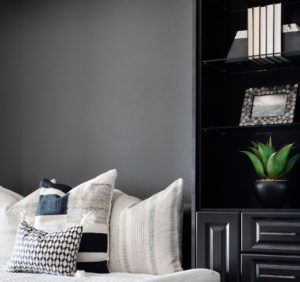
<point>269,105</point>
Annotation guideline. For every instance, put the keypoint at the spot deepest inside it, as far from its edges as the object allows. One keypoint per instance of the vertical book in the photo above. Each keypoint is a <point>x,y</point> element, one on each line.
<point>263,32</point>
<point>250,33</point>
<point>256,19</point>
<point>270,30</point>
<point>278,33</point>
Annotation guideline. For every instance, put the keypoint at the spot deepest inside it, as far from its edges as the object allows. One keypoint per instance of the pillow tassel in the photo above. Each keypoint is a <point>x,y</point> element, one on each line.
<point>80,273</point>
<point>24,217</point>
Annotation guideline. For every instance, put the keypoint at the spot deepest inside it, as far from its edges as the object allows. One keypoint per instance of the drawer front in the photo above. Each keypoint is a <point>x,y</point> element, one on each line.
<point>218,243</point>
<point>271,233</point>
<point>270,268</point>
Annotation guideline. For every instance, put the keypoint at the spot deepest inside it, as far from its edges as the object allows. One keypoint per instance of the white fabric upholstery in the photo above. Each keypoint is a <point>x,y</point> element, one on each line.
<point>194,275</point>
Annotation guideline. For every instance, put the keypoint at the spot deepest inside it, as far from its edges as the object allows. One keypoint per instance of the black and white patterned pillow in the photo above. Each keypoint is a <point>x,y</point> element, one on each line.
<point>41,252</point>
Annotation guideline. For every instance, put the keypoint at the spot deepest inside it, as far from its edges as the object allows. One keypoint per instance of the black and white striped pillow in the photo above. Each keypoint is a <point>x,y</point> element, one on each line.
<point>41,252</point>
<point>88,204</point>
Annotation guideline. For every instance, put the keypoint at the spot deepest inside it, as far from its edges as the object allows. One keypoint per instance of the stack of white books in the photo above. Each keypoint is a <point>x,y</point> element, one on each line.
<point>290,44</point>
<point>265,34</point>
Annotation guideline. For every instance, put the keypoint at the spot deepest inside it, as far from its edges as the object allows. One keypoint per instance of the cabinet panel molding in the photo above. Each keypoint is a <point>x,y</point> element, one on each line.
<point>270,268</point>
<point>271,232</point>
<point>218,243</point>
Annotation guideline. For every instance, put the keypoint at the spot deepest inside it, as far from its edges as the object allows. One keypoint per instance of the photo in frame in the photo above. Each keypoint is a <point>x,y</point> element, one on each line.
<point>269,105</point>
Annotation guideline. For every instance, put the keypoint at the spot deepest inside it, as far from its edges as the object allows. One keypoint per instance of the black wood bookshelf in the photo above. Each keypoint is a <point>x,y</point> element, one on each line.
<point>225,177</point>
<point>220,93</point>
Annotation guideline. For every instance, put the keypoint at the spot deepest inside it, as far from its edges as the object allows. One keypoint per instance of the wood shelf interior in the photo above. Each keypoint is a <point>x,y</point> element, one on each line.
<point>225,177</point>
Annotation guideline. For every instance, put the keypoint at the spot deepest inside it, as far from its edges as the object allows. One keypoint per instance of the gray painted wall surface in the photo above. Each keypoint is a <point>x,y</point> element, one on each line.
<point>10,94</point>
<point>94,85</point>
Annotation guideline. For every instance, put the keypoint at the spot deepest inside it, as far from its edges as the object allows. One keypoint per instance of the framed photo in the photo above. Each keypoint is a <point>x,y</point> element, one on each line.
<point>269,105</point>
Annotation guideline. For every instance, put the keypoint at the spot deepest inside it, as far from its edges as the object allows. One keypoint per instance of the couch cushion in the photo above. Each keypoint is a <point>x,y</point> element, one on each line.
<point>145,236</point>
<point>193,275</point>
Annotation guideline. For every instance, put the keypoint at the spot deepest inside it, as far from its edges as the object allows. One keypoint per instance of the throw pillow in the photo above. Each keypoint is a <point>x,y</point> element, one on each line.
<point>145,236</point>
<point>12,205</point>
<point>41,252</point>
<point>89,204</point>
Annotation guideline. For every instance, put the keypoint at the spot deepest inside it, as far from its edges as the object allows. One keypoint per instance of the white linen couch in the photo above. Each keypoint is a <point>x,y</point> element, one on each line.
<point>193,275</point>
<point>189,275</point>
<point>10,220</point>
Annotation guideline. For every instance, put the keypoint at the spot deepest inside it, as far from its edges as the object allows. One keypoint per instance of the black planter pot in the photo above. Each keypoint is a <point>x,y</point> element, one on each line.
<point>272,194</point>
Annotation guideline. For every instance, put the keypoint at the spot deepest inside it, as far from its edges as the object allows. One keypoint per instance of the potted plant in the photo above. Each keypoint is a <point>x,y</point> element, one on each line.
<point>272,167</point>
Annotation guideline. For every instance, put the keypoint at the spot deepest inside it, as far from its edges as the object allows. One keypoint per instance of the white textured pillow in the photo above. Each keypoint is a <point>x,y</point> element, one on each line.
<point>11,207</point>
<point>145,236</point>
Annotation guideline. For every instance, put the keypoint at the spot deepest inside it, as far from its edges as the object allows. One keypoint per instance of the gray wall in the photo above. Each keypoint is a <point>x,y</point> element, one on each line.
<point>100,84</point>
<point>10,94</point>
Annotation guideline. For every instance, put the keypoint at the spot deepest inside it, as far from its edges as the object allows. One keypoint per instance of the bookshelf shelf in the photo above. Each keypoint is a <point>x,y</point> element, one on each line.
<point>244,65</point>
<point>258,129</point>
<point>240,6</point>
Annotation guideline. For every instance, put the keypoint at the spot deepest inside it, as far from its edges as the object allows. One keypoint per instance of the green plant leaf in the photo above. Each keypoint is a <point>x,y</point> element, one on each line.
<point>281,157</point>
<point>258,166</point>
<point>293,160</point>
<point>270,144</point>
<point>282,174</point>
<point>255,144</point>
<point>265,153</point>
<point>255,152</point>
<point>272,167</point>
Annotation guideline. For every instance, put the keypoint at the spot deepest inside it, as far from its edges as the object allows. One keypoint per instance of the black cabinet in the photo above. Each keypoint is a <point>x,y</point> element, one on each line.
<point>250,246</point>
<point>275,232</point>
<point>270,268</point>
<point>218,243</point>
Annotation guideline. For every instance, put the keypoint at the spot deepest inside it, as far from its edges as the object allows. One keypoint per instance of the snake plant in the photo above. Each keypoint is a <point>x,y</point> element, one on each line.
<point>269,163</point>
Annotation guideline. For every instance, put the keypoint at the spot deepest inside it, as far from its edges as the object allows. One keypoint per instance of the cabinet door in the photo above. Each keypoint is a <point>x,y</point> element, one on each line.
<point>270,268</point>
<point>218,243</point>
<point>277,233</point>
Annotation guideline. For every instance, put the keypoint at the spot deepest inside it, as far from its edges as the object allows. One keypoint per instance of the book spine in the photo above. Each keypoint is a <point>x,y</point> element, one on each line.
<point>270,30</point>
<point>277,29</point>
<point>250,33</point>
<point>278,32</point>
<point>256,20</point>
<point>263,37</point>
<point>263,32</point>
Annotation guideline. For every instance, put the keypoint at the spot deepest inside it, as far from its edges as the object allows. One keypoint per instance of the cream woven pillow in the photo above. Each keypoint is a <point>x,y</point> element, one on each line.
<point>145,236</point>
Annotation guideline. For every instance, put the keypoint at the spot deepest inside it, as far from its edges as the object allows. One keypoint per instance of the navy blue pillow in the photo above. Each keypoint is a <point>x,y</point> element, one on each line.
<point>52,204</point>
